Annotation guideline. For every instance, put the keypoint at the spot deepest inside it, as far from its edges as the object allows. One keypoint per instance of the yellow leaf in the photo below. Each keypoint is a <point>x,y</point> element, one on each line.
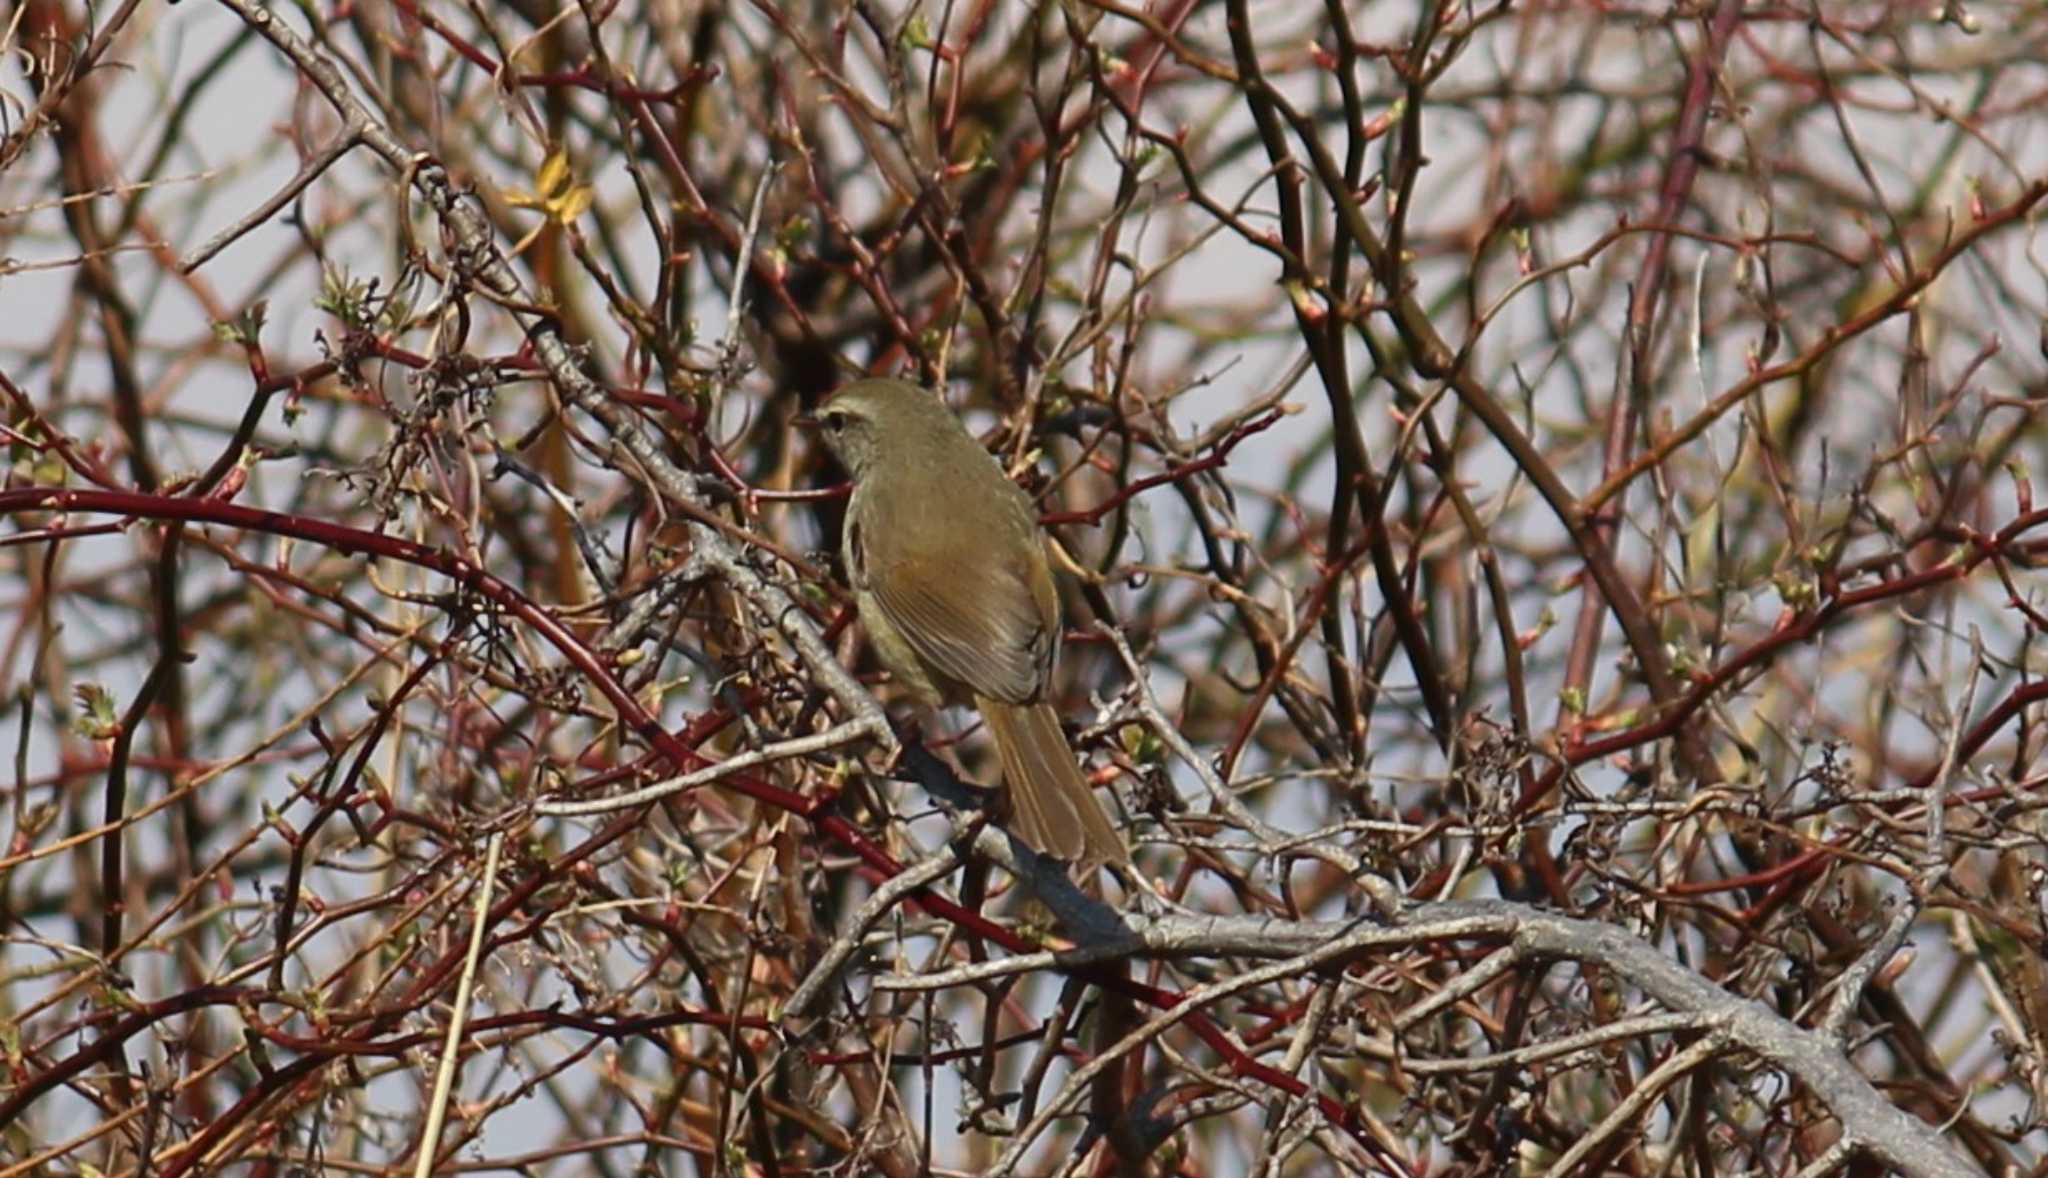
<point>557,193</point>
<point>554,173</point>
<point>571,204</point>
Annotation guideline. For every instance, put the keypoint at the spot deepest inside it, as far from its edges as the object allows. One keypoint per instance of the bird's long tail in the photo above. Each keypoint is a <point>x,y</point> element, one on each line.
<point>1052,806</point>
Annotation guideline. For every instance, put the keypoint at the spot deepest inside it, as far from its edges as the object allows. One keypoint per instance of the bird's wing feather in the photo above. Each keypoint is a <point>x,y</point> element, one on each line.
<point>980,626</point>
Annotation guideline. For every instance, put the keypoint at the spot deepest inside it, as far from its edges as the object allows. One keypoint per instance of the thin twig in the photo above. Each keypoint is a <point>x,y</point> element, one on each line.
<point>444,1078</point>
<point>800,746</point>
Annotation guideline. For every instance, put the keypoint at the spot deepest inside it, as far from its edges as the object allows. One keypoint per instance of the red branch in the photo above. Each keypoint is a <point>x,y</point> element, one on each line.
<point>1213,460</point>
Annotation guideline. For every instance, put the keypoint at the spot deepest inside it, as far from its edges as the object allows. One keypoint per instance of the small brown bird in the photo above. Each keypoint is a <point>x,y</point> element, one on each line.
<point>949,568</point>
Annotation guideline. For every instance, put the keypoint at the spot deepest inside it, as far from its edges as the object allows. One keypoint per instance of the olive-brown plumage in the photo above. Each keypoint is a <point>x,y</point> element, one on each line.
<point>949,569</point>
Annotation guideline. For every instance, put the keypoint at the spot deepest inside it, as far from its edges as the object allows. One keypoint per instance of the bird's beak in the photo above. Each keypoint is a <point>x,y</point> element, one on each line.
<point>805,421</point>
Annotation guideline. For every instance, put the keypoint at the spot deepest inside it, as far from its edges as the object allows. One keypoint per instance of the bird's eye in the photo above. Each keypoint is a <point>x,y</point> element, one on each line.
<point>835,421</point>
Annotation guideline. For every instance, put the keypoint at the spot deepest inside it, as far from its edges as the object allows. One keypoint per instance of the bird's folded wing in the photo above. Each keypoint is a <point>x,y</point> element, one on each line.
<point>980,626</point>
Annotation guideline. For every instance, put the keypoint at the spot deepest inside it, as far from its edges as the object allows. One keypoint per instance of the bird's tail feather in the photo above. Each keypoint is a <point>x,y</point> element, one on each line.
<point>1052,806</point>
